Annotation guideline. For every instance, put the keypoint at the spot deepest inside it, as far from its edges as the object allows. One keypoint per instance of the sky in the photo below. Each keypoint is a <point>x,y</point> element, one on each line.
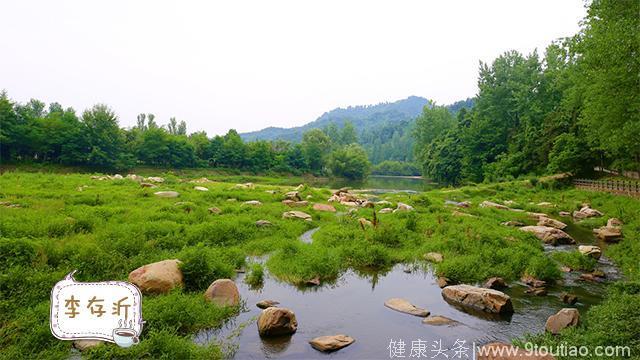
<point>251,64</point>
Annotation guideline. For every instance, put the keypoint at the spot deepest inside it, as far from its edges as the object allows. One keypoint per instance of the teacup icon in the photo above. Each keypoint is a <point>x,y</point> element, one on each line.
<point>125,337</point>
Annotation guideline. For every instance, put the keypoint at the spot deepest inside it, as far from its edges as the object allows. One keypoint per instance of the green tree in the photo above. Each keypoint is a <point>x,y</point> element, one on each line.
<point>105,139</point>
<point>315,146</point>
<point>350,162</point>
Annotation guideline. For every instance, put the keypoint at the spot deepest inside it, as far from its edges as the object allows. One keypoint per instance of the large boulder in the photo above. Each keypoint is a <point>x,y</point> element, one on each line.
<point>590,250</point>
<point>545,221</point>
<point>406,307</point>
<point>223,292</point>
<point>324,207</point>
<point>549,234</point>
<point>490,204</point>
<point>157,278</point>
<point>296,215</point>
<point>487,300</point>
<point>331,342</point>
<point>276,321</point>
<point>167,194</point>
<point>502,351</point>
<point>562,319</point>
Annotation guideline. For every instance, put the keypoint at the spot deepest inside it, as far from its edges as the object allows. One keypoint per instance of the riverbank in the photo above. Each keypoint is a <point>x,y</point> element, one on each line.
<point>54,223</point>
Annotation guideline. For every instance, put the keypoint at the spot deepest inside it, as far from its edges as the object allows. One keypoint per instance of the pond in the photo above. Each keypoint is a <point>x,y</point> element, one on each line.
<point>380,184</point>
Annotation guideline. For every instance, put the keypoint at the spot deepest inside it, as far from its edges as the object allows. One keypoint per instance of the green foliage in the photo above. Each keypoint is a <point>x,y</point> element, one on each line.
<point>349,162</point>
<point>255,277</point>
<point>202,266</point>
<point>543,268</point>
<point>575,260</point>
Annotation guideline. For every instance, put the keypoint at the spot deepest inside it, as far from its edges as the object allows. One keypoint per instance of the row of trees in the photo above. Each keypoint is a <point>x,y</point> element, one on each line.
<point>34,132</point>
<point>575,108</point>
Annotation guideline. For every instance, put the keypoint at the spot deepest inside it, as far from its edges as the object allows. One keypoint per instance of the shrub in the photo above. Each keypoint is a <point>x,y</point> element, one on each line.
<point>16,252</point>
<point>575,260</point>
<point>543,268</point>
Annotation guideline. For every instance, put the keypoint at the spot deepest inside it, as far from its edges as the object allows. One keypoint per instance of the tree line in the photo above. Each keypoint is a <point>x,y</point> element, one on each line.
<point>33,132</point>
<point>576,107</point>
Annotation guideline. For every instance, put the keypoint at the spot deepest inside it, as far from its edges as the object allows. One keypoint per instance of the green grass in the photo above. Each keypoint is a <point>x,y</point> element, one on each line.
<point>112,227</point>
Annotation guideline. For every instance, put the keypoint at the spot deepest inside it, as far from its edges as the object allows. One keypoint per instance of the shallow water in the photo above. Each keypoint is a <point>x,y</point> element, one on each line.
<point>354,306</point>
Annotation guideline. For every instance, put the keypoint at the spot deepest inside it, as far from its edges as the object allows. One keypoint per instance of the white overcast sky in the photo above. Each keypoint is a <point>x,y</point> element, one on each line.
<point>252,64</point>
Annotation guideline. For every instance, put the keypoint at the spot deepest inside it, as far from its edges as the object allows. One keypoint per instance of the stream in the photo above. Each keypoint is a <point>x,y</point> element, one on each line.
<point>353,305</point>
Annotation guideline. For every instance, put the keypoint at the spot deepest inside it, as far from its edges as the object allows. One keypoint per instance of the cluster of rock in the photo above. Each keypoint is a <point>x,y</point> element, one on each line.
<point>612,232</point>
<point>133,177</point>
<point>244,186</point>
<point>344,197</point>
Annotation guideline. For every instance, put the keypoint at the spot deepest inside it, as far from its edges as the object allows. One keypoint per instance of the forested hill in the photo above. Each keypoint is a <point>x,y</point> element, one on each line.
<point>361,117</point>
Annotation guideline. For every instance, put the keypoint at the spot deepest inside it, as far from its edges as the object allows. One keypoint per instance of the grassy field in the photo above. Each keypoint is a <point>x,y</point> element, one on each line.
<point>106,229</point>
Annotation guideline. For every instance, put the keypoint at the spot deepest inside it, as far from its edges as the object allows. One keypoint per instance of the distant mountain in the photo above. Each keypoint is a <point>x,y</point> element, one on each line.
<point>360,116</point>
<point>384,130</point>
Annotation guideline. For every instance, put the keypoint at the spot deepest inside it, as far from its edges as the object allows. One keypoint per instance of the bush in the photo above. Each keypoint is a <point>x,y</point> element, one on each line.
<point>16,252</point>
<point>575,260</point>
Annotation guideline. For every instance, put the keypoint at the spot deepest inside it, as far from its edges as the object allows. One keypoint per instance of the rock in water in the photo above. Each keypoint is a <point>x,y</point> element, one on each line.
<point>438,320</point>
<point>223,292</point>
<point>167,194</point>
<point>275,321</point>
<point>406,307</point>
<point>590,250</point>
<point>159,277</point>
<point>569,298</point>
<point>545,221</point>
<point>562,320</point>
<point>434,257</point>
<point>502,351</point>
<point>263,304</point>
<point>443,281</point>
<point>495,283</point>
<point>331,342</point>
<point>487,300</point>
<point>549,235</point>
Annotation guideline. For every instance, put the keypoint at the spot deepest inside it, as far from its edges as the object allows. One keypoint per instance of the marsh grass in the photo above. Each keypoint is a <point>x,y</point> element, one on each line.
<point>112,227</point>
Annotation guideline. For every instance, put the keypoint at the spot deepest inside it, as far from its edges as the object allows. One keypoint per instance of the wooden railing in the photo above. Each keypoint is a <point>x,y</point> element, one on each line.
<point>622,187</point>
